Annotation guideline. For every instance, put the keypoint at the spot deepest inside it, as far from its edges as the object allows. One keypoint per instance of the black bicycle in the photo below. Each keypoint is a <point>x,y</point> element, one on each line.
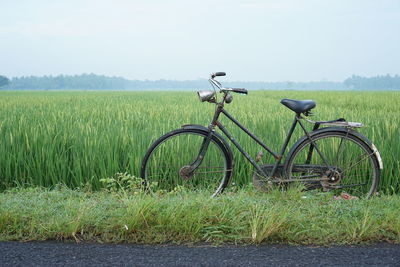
<point>332,157</point>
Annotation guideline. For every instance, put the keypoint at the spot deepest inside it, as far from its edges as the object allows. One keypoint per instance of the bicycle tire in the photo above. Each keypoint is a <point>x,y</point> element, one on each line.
<point>176,149</point>
<point>354,167</point>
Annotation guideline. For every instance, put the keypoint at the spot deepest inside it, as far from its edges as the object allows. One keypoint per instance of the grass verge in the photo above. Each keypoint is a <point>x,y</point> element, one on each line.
<point>242,217</point>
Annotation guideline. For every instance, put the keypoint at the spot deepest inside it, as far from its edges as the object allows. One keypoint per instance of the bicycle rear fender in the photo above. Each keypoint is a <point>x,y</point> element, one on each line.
<point>346,130</point>
<point>217,135</point>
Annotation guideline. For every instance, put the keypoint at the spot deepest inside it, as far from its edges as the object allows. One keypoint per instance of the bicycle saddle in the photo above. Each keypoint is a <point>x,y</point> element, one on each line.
<point>299,106</point>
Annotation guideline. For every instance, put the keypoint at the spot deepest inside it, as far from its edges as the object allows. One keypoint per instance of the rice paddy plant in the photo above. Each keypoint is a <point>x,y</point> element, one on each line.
<point>77,138</point>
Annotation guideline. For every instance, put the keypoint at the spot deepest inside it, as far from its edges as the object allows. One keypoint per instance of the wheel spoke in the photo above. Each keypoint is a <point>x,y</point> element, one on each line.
<point>365,156</point>
<point>339,152</point>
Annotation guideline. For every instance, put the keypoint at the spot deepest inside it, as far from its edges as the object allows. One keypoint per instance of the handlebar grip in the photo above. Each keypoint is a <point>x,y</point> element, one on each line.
<point>220,73</point>
<point>240,91</point>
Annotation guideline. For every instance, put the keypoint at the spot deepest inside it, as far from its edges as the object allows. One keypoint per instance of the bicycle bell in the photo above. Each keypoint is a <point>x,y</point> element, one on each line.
<point>205,95</point>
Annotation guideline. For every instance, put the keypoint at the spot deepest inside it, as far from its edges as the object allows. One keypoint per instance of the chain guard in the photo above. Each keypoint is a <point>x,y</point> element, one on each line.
<point>261,182</point>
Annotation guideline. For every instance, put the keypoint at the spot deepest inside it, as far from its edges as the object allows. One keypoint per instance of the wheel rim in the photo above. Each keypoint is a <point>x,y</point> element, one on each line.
<point>166,166</point>
<point>352,169</point>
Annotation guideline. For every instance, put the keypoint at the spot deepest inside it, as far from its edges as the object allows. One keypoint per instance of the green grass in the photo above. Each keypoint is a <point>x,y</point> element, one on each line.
<point>77,138</point>
<point>241,217</point>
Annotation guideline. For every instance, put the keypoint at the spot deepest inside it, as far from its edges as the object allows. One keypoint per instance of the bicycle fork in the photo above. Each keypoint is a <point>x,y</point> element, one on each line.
<point>187,171</point>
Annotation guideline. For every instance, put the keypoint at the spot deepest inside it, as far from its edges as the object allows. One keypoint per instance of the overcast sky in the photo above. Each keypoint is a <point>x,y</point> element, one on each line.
<point>256,40</point>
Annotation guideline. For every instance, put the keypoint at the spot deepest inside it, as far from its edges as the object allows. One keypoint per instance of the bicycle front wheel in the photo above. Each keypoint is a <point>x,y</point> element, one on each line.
<point>165,162</point>
<point>341,162</point>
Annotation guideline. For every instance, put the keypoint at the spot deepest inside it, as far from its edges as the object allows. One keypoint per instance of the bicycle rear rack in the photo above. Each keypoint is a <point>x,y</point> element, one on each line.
<point>341,122</point>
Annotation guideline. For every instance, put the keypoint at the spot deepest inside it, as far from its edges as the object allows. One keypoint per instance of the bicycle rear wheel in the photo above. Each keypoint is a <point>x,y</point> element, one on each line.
<point>167,158</point>
<point>343,161</point>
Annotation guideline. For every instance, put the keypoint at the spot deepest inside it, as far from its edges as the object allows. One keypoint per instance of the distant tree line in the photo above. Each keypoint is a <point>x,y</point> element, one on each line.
<point>96,82</point>
<point>66,82</point>
<point>4,81</point>
<point>385,82</point>
<point>288,85</point>
<point>101,82</point>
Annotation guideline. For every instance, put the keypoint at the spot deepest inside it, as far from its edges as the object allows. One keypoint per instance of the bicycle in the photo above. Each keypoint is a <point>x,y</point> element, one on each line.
<point>332,157</point>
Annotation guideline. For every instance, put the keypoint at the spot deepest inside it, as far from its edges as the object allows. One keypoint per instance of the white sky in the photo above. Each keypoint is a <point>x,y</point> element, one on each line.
<point>298,40</point>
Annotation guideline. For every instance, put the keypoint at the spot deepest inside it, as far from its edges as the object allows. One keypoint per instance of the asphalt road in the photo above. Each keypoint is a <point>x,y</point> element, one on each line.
<point>84,254</point>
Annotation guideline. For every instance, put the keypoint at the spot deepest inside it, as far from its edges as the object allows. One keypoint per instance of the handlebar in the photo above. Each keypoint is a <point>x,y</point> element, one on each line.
<point>240,91</point>
<point>222,89</point>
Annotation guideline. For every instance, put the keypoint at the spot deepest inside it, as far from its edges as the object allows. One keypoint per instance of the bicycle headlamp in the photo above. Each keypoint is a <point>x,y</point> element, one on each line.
<point>205,95</point>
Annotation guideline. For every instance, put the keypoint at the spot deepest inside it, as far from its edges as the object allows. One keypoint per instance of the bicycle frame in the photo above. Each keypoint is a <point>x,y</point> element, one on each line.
<point>278,156</point>
<point>227,98</point>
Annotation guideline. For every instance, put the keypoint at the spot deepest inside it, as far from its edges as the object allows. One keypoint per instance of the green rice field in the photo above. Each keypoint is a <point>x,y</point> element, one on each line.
<point>76,138</point>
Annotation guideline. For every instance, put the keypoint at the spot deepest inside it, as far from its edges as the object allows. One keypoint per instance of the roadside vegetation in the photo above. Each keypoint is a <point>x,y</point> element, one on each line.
<point>242,216</point>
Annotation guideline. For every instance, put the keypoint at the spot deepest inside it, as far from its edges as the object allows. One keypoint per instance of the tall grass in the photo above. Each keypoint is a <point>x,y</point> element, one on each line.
<point>77,138</point>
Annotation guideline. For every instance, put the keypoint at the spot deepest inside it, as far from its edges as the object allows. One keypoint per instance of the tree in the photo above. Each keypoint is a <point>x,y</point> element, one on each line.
<point>4,81</point>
